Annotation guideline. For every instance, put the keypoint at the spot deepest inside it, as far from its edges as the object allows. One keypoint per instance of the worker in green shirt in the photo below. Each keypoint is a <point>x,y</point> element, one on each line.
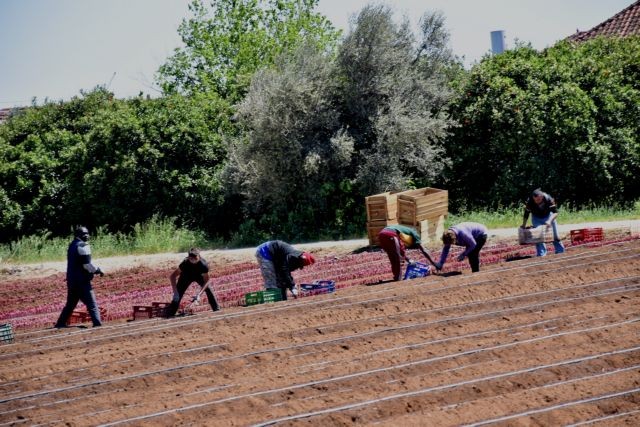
<point>395,240</point>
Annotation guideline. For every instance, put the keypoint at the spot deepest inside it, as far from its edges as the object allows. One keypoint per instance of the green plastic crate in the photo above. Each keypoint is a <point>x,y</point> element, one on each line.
<point>272,295</point>
<point>6,333</point>
<point>253,298</point>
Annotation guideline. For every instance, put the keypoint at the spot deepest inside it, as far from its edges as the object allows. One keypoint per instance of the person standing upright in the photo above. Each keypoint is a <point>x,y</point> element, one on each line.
<point>80,272</point>
<point>544,211</point>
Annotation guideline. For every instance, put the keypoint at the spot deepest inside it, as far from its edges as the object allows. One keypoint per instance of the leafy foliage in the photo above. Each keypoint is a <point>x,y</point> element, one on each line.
<point>320,134</point>
<point>226,42</point>
<point>565,119</point>
<point>100,161</point>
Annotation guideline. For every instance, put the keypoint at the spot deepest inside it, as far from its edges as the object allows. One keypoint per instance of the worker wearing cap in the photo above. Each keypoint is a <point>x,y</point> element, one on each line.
<point>277,259</point>
<point>80,272</point>
<point>395,240</point>
<point>193,268</point>
<point>544,211</point>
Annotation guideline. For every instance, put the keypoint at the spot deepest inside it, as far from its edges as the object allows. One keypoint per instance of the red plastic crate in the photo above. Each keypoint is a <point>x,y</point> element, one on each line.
<point>585,235</point>
<point>143,312</point>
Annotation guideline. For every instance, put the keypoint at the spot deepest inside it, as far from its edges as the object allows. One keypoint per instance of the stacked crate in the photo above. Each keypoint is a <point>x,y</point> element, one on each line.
<point>382,210</point>
<point>424,209</point>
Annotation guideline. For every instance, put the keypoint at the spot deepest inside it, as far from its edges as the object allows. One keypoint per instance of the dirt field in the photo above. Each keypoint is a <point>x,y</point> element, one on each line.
<point>551,341</point>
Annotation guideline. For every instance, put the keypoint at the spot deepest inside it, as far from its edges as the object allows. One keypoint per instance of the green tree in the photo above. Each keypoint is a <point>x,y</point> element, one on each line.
<point>226,42</point>
<point>565,119</point>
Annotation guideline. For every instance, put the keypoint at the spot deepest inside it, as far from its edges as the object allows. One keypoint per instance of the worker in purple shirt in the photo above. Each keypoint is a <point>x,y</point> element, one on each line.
<point>472,236</point>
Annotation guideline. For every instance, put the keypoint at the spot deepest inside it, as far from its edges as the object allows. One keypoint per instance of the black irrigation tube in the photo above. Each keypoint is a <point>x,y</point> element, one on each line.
<point>350,376</point>
<point>333,306</point>
<point>339,339</point>
<point>374,401</point>
<point>554,407</point>
<point>588,254</point>
<point>605,418</point>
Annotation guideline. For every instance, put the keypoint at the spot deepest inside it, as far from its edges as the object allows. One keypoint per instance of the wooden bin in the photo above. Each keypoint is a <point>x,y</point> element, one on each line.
<point>424,209</point>
<point>382,207</point>
<point>374,227</point>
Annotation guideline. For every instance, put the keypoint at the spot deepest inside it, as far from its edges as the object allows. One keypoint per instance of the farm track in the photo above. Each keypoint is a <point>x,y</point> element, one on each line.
<point>549,341</point>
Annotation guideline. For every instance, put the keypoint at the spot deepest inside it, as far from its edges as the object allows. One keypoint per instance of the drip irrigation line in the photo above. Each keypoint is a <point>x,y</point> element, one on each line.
<point>605,418</point>
<point>400,366</point>
<point>373,401</point>
<point>333,306</point>
<point>554,407</point>
<point>284,348</point>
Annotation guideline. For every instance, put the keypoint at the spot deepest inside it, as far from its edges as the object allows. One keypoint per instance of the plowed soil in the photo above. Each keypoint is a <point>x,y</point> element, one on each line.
<point>540,341</point>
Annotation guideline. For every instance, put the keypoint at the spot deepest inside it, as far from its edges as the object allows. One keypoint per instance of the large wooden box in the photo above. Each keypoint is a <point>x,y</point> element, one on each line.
<point>374,227</point>
<point>383,206</point>
<point>422,204</point>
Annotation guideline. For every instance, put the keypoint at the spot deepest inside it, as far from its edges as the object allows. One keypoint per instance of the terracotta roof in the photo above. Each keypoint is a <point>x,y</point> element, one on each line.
<point>622,24</point>
<point>4,114</point>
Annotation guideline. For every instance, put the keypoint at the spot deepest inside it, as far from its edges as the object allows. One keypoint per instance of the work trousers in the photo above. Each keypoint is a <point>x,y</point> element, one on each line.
<point>391,244</point>
<point>75,293</point>
<point>182,286</point>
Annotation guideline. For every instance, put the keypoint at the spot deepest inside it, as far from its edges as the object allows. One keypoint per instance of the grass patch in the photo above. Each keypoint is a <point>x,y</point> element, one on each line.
<point>154,236</point>
<point>512,217</point>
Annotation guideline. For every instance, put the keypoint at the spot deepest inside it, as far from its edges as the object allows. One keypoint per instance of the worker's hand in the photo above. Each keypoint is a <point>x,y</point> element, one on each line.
<point>437,265</point>
<point>98,271</point>
<point>460,257</point>
<point>410,261</point>
<point>196,299</point>
<point>294,292</point>
<point>176,297</point>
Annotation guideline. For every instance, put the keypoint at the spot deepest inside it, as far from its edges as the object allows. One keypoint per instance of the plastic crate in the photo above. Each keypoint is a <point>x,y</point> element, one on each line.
<point>533,235</point>
<point>6,333</point>
<point>327,285</point>
<point>271,295</point>
<point>160,308</point>
<point>253,298</point>
<point>417,269</point>
<point>585,235</point>
<point>143,312</point>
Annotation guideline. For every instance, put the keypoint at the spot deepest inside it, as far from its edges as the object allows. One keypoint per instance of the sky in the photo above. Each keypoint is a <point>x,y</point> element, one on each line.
<point>53,49</point>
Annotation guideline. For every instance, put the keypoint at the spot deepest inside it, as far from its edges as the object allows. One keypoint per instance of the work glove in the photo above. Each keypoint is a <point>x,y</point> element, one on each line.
<point>98,271</point>
<point>410,261</point>
<point>176,297</point>
<point>294,292</point>
<point>196,299</point>
<point>438,266</point>
<point>460,258</point>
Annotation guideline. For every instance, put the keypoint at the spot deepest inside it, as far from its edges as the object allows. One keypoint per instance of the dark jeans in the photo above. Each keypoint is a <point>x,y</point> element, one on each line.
<point>182,286</point>
<point>474,255</point>
<point>77,293</point>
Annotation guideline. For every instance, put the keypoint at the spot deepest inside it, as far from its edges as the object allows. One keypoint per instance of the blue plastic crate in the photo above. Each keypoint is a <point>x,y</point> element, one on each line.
<point>417,269</point>
<point>319,286</point>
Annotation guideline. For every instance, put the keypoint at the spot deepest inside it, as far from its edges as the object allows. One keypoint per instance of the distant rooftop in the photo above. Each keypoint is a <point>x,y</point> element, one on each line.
<point>623,24</point>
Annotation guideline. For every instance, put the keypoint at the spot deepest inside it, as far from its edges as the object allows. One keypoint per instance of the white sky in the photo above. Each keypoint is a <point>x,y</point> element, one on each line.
<point>54,48</point>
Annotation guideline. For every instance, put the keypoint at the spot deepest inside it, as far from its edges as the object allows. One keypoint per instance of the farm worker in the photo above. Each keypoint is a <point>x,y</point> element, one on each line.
<point>80,272</point>
<point>543,211</point>
<point>472,236</point>
<point>395,239</point>
<point>277,259</point>
<point>193,268</point>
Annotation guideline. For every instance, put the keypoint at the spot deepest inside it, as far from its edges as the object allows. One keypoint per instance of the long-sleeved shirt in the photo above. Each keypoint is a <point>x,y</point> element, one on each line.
<point>466,235</point>
<point>542,210</point>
